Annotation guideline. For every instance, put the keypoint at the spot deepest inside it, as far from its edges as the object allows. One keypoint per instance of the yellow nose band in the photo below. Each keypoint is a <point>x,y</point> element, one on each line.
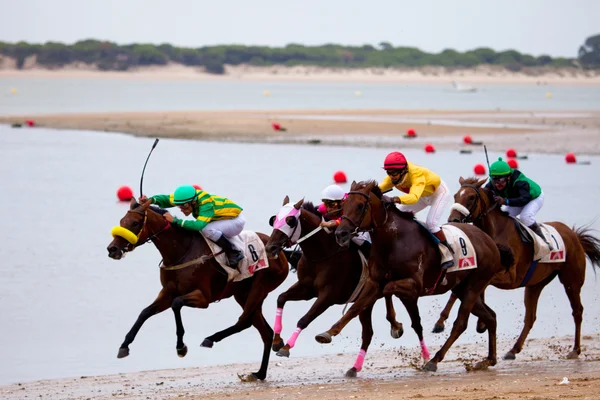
<point>125,234</point>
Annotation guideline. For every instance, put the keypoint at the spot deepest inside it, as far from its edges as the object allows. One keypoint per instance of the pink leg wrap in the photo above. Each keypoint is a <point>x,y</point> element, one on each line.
<point>278,325</point>
<point>358,364</point>
<point>292,340</point>
<point>424,351</point>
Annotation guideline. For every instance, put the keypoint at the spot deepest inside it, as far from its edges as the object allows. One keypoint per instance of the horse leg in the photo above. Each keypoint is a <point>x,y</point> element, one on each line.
<point>532,295</point>
<point>396,328</point>
<point>193,299</point>
<point>573,290</point>
<point>487,317</point>
<point>368,296</point>
<point>413,311</point>
<point>366,322</point>
<point>439,325</point>
<point>266,334</point>
<point>298,291</point>
<point>322,303</point>
<point>481,327</point>
<point>162,302</point>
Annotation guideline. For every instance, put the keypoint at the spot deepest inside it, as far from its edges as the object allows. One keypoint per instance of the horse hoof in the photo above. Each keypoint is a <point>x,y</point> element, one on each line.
<point>182,351</point>
<point>123,352</point>
<point>249,378</point>
<point>276,346</point>
<point>573,355</point>
<point>509,356</point>
<point>481,328</point>
<point>482,365</point>
<point>283,353</point>
<point>323,338</point>
<point>207,343</point>
<point>397,333</point>
<point>351,373</point>
<point>438,328</point>
<point>431,367</point>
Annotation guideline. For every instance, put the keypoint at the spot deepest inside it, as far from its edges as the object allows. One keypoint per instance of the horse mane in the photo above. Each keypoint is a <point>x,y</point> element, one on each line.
<point>376,190</point>
<point>311,208</point>
<point>473,181</point>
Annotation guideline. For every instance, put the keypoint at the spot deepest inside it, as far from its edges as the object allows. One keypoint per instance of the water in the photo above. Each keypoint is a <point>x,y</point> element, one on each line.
<point>43,95</point>
<point>65,306</point>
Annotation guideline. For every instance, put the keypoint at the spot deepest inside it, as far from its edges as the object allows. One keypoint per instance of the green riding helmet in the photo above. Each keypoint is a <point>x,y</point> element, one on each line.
<point>500,168</point>
<point>184,194</point>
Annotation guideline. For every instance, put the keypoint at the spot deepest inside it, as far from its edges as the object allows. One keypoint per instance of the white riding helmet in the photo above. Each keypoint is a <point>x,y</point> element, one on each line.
<point>333,192</point>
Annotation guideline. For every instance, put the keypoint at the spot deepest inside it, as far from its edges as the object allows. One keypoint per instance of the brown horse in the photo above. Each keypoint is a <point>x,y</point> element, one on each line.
<point>405,262</point>
<point>198,284</point>
<point>483,212</point>
<point>326,271</point>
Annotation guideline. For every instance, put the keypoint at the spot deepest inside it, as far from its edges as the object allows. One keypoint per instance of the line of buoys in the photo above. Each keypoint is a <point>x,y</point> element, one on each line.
<point>479,169</point>
<point>429,148</point>
<point>124,193</point>
<point>512,153</point>
<point>340,177</point>
<point>410,133</point>
<point>467,139</point>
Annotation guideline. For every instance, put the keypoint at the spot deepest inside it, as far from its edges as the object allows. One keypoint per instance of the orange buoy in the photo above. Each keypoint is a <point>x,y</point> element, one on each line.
<point>570,158</point>
<point>467,139</point>
<point>340,177</point>
<point>479,169</point>
<point>197,187</point>
<point>124,193</point>
<point>429,148</point>
<point>410,132</point>
<point>511,153</point>
<point>512,163</point>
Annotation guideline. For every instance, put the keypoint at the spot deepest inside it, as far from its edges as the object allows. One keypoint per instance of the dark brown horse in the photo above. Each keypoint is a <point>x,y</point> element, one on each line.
<point>406,262</point>
<point>199,284</point>
<point>483,212</point>
<point>327,271</point>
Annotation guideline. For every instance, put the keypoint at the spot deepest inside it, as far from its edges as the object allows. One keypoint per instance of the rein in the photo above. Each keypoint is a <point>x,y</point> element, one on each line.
<point>357,227</point>
<point>479,199</point>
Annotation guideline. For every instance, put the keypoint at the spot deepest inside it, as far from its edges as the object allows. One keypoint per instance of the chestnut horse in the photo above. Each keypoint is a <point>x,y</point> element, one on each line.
<point>405,261</point>
<point>198,284</point>
<point>478,206</point>
<point>326,271</point>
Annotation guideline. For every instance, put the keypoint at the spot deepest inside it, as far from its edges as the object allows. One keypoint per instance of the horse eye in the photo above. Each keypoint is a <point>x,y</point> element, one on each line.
<point>360,206</point>
<point>134,224</point>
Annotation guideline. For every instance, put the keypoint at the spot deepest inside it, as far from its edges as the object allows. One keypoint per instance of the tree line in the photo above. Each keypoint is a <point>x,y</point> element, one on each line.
<point>111,56</point>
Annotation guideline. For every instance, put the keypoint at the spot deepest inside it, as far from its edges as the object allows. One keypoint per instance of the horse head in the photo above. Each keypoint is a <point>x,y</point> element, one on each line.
<point>472,201</point>
<point>286,227</point>
<point>358,210</point>
<point>134,229</point>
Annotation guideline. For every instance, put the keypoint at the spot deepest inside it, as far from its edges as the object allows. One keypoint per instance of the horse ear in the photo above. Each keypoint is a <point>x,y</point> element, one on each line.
<point>146,204</point>
<point>286,200</point>
<point>132,203</point>
<point>481,182</point>
<point>352,184</point>
<point>299,204</point>
<point>461,180</point>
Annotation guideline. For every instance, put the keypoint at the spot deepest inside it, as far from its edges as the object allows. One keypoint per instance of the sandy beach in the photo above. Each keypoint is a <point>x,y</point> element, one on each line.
<point>527,131</point>
<point>538,374</point>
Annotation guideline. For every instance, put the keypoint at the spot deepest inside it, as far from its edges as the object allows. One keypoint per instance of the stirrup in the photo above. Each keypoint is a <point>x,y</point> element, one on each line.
<point>447,264</point>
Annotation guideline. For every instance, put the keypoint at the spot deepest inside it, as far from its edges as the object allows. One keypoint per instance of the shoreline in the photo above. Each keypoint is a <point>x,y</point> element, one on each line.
<point>549,132</point>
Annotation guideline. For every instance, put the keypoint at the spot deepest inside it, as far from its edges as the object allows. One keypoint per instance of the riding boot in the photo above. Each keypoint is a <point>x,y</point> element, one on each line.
<point>445,250</point>
<point>293,257</point>
<point>538,230</point>
<point>234,256</point>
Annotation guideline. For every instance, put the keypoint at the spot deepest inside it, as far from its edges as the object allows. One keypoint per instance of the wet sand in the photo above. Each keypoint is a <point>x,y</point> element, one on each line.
<point>535,375</point>
<point>527,131</point>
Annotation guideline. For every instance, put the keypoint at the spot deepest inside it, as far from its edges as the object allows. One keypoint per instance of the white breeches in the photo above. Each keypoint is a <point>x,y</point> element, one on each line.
<point>438,201</point>
<point>227,227</point>
<point>528,211</point>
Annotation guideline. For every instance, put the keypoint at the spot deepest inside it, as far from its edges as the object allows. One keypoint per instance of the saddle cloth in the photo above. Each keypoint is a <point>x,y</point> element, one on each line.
<point>464,252</point>
<point>254,251</point>
<point>541,251</point>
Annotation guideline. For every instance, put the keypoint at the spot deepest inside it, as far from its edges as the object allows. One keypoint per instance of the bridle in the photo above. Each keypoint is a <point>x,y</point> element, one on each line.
<point>144,213</point>
<point>357,227</point>
<point>479,198</point>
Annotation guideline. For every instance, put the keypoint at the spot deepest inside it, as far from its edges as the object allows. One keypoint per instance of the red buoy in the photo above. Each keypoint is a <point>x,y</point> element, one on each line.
<point>429,148</point>
<point>124,193</point>
<point>340,177</point>
<point>512,163</point>
<point>570,158</point>
<point>511,153</point>
<point>410,132</point>
<point>30,122</point>
<point>197,187</point>
<point>467,139</point>
<point>276,126</point>
<point>479,169</point>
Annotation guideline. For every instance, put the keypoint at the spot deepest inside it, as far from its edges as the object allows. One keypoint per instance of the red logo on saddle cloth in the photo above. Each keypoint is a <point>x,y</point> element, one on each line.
<point>260,264</point>
<point>466,262</point>
<point>556,255</point>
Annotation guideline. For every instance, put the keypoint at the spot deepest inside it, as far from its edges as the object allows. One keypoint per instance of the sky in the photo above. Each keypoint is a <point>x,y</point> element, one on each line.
<point>553,27</point>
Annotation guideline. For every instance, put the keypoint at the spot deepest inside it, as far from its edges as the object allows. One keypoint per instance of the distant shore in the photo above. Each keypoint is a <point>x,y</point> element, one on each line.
<point>527,131</point>
<point>466,78</point>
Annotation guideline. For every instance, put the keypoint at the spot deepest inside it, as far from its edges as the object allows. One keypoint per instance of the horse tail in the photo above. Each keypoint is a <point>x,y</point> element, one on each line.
<point>590,243</point>
<point>507,257</point>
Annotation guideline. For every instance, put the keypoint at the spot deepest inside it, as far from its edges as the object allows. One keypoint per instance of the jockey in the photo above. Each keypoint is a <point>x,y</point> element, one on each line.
<point>333,198</point>
<point>518,194</point>
<point>423,189</point>
<point>219,219</point>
